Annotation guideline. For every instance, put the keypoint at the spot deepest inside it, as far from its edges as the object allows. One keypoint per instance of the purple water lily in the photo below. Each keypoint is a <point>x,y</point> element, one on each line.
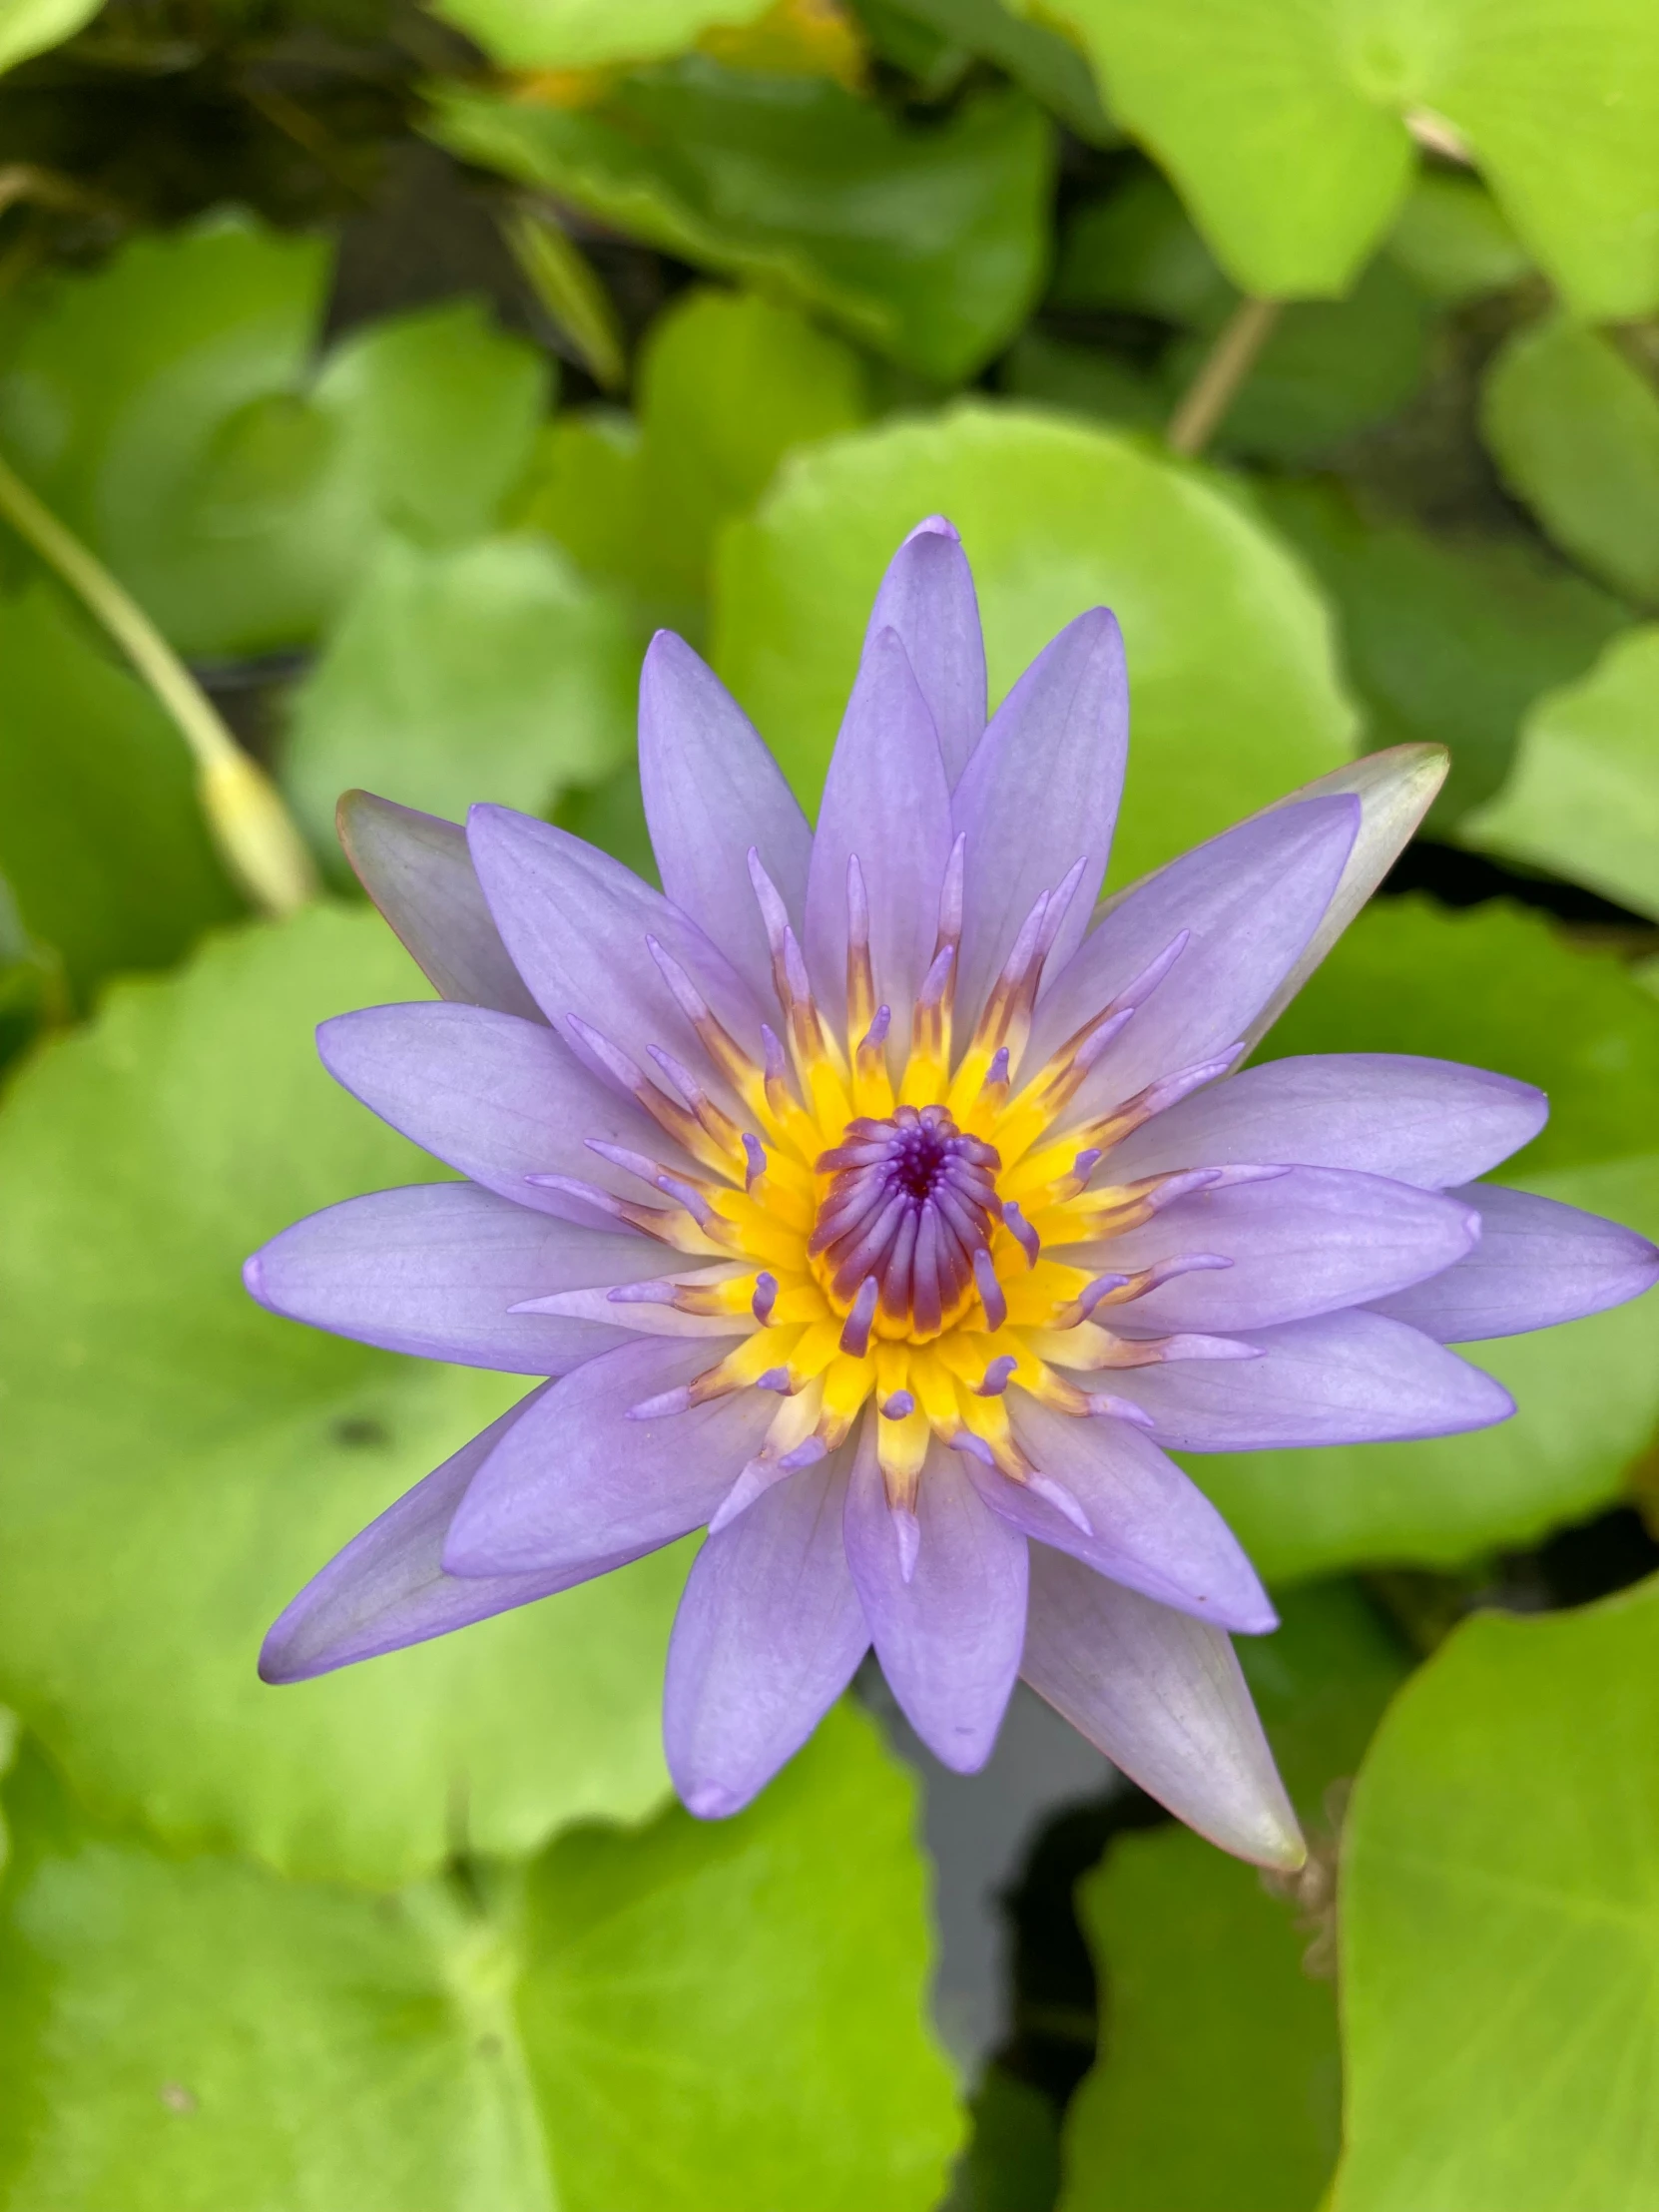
<point>880,1209</point>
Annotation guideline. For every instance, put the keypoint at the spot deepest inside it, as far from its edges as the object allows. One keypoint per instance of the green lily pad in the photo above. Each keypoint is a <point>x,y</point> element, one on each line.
<point>167,407</point>
<point>1080,379</point>
<point>1284,127</point>
<point>927,244</point>
<point>1031,48</point>
<point>1500,989</point>
<point>1499,1927</point>
<point>1219,2086</point>
<point>1574,424</point>
<point>679,2018</point>
<point>1236,693</point>
<point>29,27</point>
<point>494,672</point>
<point>1206,2005</point>
<point>102,836</point>
<point>585,34</point>
<point>1453,240</point>
<point>1137,248</point>
<point>180,1462</point>
<point>1448,640</point>
<point>1583,801</point>
<point>1011,2160</point>
<point>728,385</point>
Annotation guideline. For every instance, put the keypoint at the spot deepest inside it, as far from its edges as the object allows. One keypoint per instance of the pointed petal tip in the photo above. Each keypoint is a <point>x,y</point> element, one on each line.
<point>1281,1849</point>
<point>669,657</point>
<point>349,809</point>
<point>275,1665</point>
<point>708,1801</point>
<point>969,1757</point>
<point>932,526</point>
<point>253,1275</point>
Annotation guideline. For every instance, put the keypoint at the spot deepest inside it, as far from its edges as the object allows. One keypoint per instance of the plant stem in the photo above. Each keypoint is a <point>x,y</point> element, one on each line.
<point>253,828</point>
<point>1225,368</point>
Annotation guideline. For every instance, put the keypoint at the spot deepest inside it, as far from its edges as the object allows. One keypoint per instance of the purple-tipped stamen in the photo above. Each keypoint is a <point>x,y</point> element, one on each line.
<point>995,1379</point>
<point>938,976</point>
<point>766,1295</point>
<point>804,1455</point>
<point>1084,1304</point>
<point>856,1334</point>
<point>1014,1221</point>
<point>991,1290</point>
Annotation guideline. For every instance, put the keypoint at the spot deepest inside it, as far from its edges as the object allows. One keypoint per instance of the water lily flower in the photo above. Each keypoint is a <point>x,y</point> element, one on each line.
<point>875,1206</point>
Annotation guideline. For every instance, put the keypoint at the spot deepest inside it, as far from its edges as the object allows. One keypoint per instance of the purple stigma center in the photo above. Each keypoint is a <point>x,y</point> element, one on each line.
<point>912,1199</point>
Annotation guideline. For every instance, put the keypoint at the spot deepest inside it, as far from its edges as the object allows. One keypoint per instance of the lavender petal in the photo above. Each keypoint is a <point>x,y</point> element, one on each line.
<point>577,1480</point>
<point>1427,1121</point>
<point>1537,1263</point>
<point>418,872</point>
<point>433,1270</point>
<point>1162,1696</point>
<point>769,1634</point>
<point>387,1589</point>
<point>1250,898</point>
<point>1307,1242</point>
<point>578,925</point>
<point>949,1638</point>
<point>928,597</point>
<point>1148,1527</point>
<point>886,799</point>
<point>498,1098</point>
<point>712,793</point>
<point>1395,788</point>
<point>1040,792</point>
<point>1339,1379</point>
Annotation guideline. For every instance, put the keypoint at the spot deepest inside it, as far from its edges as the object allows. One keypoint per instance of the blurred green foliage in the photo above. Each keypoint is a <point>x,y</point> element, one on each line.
<point>1583,801</point>
<point>407,369</point>
<point>927,244</point>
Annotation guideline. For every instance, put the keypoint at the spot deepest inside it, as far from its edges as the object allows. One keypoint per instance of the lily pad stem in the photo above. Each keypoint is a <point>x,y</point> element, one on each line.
<point>1224,369</point>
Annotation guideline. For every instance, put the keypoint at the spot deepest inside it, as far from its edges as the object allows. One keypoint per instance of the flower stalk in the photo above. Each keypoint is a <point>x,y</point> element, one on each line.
<point>254,831</point>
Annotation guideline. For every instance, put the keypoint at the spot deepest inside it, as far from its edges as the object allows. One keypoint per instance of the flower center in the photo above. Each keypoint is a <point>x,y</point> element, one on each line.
<point>947,1243</point>
<point>909,1203</point>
